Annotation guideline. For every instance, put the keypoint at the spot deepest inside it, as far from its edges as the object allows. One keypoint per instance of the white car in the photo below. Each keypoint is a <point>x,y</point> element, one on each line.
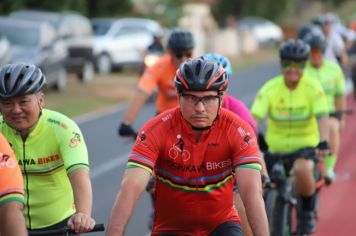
<point>122,41</point>
<point>264,31</point>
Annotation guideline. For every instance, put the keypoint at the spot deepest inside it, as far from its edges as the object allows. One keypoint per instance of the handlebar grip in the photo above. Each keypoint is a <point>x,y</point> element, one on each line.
<point>97,228</point>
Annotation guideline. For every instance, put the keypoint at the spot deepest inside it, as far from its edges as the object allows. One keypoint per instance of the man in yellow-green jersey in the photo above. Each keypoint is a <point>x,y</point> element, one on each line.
<point>50,150</point>
<point>296,111</point>
<point>331,78</point>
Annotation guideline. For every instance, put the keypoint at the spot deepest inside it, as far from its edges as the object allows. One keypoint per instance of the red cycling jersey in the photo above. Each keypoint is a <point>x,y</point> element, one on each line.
<point>194,188</point>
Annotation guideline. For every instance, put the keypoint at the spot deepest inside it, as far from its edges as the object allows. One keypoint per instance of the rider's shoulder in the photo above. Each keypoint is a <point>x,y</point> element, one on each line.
<point>57,120</point>
<point>272,84</point>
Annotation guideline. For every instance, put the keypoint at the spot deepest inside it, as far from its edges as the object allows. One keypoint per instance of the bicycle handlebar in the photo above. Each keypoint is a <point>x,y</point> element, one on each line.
<point>97,227</point>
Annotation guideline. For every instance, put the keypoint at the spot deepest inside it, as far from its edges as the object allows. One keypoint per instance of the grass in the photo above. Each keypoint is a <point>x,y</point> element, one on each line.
<point>106,91</point>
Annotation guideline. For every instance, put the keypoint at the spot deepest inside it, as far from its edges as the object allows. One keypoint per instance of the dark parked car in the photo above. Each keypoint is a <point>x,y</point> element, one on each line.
<point>76,33</point>
<point>33,42</point>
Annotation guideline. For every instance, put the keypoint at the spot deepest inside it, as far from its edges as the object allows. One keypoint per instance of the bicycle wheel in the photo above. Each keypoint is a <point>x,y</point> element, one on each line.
<point>270,197</point>
<point>282,218</point>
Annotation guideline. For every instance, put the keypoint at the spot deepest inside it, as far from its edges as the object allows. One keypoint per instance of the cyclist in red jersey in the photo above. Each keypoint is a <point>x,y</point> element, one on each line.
<point>239,108</point>
<point>195,162</point>
<point>12,221</point>
<point>161,75</point>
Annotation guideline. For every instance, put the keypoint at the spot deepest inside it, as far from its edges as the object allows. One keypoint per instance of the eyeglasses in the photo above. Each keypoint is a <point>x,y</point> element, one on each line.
<point>287,65</point>
<point>194,100</point>
<point>180,55</point>
<point>315,52</point>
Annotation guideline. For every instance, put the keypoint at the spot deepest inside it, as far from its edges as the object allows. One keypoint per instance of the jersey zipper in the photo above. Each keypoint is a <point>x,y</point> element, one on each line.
<point>27,189</point>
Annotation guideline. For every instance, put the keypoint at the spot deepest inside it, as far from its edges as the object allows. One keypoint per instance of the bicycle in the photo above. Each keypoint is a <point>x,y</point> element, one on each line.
<point>280,197</point>
<point>65,231</point>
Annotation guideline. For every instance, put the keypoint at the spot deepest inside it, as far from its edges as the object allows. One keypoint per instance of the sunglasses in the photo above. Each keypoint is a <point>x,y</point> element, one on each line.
<point>206,100</point>
<point>315,53</point>
<point>287,65</point>
<point>180,55</point>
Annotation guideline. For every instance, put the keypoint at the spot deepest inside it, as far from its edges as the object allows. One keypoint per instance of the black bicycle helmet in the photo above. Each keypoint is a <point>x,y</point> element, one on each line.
<point>20,79</point>
<point>180,40</point>
<point>315,39</point>
<point>295,50</point>
<point>305,29</point>
<point>201,74</point>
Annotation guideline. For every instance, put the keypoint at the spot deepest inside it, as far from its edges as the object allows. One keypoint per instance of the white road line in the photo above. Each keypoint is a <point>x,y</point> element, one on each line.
<point>108,166</point>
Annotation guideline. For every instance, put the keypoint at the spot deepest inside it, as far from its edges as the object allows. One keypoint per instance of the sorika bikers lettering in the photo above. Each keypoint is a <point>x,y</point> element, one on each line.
<point>27,162</point>
<point>188,168</point>
<point>40,160</point>
<point>206,166</point>
<point>218,165</point>
<point>45,160</point>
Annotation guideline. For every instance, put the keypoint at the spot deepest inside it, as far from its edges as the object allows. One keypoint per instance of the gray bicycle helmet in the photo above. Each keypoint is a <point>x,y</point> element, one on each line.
<point>315,39</point>
<point>20,79</point>
<point>295,50</point>
<point>201,74</point>
<point>180,40</point>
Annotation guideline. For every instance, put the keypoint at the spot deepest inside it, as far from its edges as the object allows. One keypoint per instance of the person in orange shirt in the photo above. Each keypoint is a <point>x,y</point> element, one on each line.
<point>161,75</point>
<point>12,221</point>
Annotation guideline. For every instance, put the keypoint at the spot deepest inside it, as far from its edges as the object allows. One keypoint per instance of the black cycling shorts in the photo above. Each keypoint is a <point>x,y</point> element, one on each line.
<point>229,228</point>
<point>59,225</point>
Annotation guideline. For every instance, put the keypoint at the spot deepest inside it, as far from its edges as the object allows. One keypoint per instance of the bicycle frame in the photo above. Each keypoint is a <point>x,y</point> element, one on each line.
<point>281,200</point>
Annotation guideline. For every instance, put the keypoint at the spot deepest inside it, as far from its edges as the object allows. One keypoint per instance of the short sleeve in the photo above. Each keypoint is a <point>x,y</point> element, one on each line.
<point>245,147</point>
<point>72,147</point>
<point>11,182</point>
<point>259,107</point>
<point>149,80</point>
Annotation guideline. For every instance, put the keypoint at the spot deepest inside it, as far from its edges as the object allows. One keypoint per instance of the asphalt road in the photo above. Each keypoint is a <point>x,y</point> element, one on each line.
<point>108,156</point>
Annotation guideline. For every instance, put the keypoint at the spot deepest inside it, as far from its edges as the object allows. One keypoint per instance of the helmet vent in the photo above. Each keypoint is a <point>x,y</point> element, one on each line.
<point>208,75</point>
<point>188,72</point>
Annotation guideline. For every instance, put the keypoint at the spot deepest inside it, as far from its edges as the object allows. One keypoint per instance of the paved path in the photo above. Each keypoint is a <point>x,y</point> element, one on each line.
<point>337,203</point>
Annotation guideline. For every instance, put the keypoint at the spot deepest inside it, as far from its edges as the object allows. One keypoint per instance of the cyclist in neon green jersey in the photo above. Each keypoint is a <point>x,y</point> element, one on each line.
<point>50,150</point>
<point>296,110</point>
<point>331,77</point>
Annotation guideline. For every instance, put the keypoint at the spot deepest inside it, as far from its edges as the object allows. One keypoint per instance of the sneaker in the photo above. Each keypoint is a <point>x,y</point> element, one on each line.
<point>329,176</point>
<point>306,222</point>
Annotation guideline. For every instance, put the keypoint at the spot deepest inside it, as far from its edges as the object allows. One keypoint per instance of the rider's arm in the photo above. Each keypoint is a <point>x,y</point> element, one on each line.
<point>133,184</point>
<point>12,221</point>
<point>136,104</point>
<point>324,129</point>
<point>145,87</point>
<point>249,184</point>
<point>340,106</point>
<point>74,153</point>
<point>83,200</point>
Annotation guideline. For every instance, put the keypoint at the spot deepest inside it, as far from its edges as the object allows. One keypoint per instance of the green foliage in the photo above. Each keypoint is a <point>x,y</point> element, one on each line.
<point>92,8</point>
<point>271,9</point>
<point>168,12</point>
<point>335,3</point>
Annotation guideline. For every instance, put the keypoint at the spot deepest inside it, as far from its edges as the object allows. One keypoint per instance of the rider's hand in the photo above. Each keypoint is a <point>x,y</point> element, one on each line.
<point>266,182</point>
<point>126,130</point>
<point>81,222</point>
<point>322,150</point>
<point>329,176</point>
